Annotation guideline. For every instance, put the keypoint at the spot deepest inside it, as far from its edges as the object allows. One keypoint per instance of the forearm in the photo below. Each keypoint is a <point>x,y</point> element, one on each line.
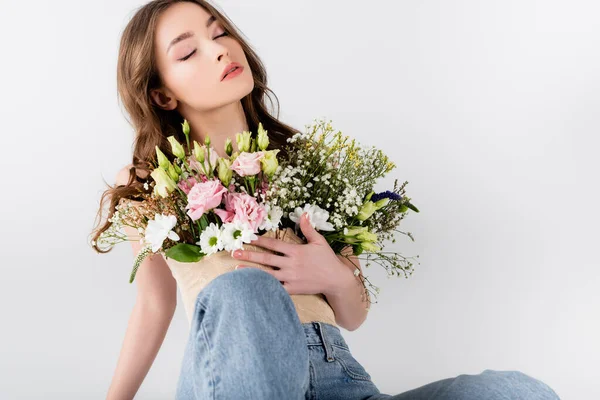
<point>348,299</point>
<point>145,333</point>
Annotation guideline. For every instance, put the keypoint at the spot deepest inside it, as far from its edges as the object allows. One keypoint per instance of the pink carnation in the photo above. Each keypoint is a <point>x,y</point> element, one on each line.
<point>225,215</point>
<point>246,209</point>
<point>187,184</point>
<point>247,163</point>
<point>203,197</point>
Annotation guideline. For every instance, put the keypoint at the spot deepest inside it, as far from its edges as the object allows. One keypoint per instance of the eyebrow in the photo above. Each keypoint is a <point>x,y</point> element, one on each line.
<point>189,34</point>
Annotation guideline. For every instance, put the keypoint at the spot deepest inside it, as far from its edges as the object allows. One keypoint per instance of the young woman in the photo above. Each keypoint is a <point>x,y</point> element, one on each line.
<point>185,59</point>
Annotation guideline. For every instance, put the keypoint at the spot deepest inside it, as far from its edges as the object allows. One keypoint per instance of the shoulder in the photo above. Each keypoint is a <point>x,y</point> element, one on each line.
<point>122,177</point>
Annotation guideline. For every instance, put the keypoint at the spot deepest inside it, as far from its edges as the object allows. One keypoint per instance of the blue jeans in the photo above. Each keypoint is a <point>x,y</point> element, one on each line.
<point>246,342</point>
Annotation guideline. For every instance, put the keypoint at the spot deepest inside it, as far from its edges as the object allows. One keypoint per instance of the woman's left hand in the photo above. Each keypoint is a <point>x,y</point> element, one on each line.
<point>309,268</point>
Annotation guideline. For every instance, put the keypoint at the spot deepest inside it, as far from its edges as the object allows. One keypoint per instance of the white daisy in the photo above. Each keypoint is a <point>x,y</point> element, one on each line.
<point>159,229</point>
<point>210,239</point>
<point>316,215</point>
<point>274,214</point>
<point>235,234</point>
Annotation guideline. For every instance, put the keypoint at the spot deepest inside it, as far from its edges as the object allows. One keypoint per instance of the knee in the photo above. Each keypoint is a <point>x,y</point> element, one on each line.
<point>242,286</point>
<point>517,384</point>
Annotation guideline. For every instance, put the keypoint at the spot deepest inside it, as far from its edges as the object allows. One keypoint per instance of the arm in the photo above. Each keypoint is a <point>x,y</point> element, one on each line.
<point>346,296</point>
<point>149,321</point>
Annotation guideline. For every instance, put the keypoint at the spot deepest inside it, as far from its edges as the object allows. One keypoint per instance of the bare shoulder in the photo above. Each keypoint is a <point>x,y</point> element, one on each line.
<point>123,175</point>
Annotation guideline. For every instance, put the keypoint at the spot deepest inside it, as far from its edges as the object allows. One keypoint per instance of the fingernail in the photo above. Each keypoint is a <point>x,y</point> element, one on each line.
<point>240,266</point>
<point>237,253</point>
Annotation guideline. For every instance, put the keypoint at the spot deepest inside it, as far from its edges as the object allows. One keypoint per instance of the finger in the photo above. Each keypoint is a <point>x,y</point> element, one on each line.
<point>311,234</point>
<point>278,274</point>
<point>274,244</point>
<point>289,288</point>
<point>262,258</point>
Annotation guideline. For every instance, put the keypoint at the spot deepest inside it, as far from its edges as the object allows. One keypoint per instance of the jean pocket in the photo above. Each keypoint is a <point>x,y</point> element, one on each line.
<point>349,364</point>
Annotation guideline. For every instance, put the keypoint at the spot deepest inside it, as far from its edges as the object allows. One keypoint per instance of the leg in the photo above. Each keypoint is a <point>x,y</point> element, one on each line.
<point>246,342</point>
<point>488,385</point>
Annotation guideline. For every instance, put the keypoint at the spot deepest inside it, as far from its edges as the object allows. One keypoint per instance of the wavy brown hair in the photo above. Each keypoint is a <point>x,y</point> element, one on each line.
<point>137,75</point>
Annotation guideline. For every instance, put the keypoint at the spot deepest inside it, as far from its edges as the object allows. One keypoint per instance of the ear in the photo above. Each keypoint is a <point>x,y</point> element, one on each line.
<point>163,99</point>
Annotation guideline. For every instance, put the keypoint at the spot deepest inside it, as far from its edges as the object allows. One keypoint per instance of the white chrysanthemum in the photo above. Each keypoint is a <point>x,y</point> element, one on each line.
<point>211,239</point>
<point>159,229</point>
<point>235,234</point>
<point>317,217</point>
<point>274,214</point>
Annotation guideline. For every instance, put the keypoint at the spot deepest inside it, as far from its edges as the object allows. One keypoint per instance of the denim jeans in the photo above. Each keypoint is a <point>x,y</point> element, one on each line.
<point>247,342</point>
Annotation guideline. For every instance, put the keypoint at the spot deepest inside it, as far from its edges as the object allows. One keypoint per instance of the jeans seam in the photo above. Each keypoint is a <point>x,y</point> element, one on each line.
<point>209,351</point>
<point>352,374</point>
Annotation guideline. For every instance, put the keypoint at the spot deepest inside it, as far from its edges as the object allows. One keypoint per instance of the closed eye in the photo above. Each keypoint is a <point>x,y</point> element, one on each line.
<point>192,53</point>
<point>188,56</point>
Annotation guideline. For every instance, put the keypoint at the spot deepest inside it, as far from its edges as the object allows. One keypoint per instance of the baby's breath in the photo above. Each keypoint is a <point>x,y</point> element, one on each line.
<point>327,168</point>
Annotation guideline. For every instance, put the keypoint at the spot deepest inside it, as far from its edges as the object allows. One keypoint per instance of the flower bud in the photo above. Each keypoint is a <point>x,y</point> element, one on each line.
<point>198,152</point>
<point>367,209</point>
<point>163,161</point>
<point>355,230</point>
<point>176,147</point>
<point>164,184</point>
<point>263,138</point>
<point>173,173</point>
<point>207,141</point>
<point>224,171</point>
<point>269,162</point>
<point>228,147</point>
<point>370,246</point>
<point>382,202</point>
<point>243,141</point>
<point>185,127</point>
<point>367,236</point>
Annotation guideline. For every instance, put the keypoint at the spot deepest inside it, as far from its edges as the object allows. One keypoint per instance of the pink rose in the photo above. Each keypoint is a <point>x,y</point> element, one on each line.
<point>247,163</point>
<point>203,197</point>
<point>246,208</point>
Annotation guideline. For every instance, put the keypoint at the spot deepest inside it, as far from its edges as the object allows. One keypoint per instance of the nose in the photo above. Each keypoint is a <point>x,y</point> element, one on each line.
<point>221,51</point>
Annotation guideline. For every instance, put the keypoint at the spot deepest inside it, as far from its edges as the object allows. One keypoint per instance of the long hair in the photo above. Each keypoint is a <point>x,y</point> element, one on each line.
<point>137,75</point>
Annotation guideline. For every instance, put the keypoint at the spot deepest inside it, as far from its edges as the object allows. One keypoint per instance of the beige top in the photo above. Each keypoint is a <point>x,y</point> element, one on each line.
<point>193,277</point>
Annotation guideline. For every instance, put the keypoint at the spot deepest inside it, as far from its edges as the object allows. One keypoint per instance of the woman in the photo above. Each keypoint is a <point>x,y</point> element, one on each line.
<point>184,59</point>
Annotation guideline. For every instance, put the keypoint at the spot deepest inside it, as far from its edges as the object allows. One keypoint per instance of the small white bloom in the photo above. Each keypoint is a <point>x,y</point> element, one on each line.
<point>274,214</point>
<point>146,185</point>
<point>211,239</point>
<point>235,234</point>
<point>159,229</point>
<point>317,217</point>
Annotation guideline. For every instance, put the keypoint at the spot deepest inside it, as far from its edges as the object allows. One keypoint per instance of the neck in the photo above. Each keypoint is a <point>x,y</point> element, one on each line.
<point>218,124</point>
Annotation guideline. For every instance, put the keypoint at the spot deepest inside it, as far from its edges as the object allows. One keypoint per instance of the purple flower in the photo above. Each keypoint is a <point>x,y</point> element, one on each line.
<point>385,195</point>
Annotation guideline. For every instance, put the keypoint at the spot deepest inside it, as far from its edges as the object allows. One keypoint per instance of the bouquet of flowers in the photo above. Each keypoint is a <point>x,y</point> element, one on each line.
<point>200,203</point>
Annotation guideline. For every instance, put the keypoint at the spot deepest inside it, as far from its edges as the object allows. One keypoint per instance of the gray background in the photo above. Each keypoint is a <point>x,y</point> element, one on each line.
<point>489,109</point>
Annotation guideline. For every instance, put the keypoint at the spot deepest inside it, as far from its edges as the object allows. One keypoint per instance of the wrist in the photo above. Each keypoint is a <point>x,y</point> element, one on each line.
<point>341,281</point>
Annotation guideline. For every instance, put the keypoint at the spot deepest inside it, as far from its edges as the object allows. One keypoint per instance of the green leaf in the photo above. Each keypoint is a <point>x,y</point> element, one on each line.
<point>203,222</point>
<point>184,252</point>
<point>415,209</point>
<point>357,249</point>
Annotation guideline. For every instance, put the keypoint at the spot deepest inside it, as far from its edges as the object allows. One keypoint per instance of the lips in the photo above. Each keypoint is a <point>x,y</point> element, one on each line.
<point>229,68</point>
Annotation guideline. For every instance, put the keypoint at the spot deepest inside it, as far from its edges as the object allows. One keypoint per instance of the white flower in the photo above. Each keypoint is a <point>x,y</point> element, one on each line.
<point>211,239</point>
<point>159,229</point>
<point>317,217</point>
<point>235,234</point>
<point>274,214</point>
